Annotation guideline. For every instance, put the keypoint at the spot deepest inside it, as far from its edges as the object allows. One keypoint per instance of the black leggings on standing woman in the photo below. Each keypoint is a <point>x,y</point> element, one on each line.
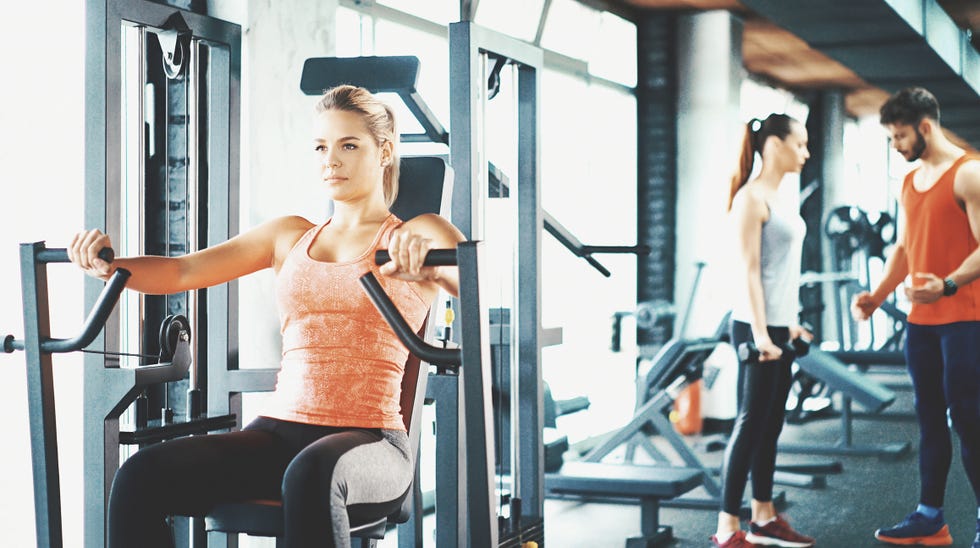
<point>762,392</point>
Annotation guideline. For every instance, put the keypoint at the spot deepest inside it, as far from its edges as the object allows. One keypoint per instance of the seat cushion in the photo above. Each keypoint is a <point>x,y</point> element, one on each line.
<point>263,518</point>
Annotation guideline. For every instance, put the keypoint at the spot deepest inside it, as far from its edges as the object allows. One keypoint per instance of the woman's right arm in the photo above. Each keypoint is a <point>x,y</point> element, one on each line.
<point>259,248</point>
<point>749,212</point>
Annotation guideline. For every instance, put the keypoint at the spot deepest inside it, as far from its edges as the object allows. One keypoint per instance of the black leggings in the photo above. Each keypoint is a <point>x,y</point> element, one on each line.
<point>321,474</point>
<point>762,391</point>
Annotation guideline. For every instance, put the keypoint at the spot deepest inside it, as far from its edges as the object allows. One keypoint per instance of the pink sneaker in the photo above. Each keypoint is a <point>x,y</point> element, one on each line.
<point>737,540</point>
<point>777,533</point>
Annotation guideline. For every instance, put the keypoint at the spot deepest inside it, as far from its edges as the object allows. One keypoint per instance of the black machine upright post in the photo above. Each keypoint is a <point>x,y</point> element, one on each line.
<point>471,48</point>
<point>475,379</point>
<point>40,398</point>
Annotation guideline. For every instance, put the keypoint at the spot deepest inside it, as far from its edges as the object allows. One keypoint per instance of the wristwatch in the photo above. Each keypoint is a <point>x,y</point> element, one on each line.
<point>949,287</point>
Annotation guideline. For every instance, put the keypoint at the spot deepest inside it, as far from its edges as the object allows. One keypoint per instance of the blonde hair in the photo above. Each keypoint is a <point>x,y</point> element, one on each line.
<point>379,119</point>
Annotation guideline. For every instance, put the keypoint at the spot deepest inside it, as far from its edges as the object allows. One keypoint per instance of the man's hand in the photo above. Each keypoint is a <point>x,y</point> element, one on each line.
<point>863,306</point>
<point>928,289</point>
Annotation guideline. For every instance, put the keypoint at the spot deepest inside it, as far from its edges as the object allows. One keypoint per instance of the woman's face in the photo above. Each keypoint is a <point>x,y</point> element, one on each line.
<point>792,151</point>
<point>349,159</point>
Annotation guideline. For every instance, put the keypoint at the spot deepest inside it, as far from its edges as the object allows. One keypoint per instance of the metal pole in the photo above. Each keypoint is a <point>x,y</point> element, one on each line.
<point>40,399</point>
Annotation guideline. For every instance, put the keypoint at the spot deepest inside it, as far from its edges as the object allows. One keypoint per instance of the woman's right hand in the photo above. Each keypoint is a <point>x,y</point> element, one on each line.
<point>768,352</point>
<point>84,252</point>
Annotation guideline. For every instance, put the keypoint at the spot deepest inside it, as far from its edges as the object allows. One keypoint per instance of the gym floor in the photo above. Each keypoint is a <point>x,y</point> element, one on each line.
<point>869,493</point>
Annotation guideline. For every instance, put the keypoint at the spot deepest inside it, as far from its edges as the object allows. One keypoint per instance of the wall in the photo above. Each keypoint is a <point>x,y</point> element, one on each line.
<point>278,168</point>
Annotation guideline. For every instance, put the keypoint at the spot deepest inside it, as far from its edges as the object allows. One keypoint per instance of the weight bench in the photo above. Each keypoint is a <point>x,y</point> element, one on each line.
<point>616,482</point>
<point>853,386</point>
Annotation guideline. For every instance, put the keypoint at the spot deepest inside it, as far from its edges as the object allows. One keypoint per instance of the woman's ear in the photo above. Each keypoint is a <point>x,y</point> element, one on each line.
<point>386,148</point>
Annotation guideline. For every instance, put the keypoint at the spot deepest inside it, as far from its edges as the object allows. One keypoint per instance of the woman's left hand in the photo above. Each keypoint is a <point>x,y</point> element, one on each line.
<point>407,251</point>
<point>799,332</point>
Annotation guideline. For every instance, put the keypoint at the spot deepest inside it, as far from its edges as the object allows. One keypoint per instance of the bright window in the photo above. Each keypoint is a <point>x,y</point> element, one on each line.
<point>433,53</point>
<point>437,11</point>
<point>588,166</point>
<point>615,58</point>
<point>350,35</point>
<point>572,29</point>
<point>588,156</point>
<point>517,18</point>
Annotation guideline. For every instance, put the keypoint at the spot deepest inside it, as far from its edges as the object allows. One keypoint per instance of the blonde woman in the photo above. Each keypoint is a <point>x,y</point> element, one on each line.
<point>331,441</point>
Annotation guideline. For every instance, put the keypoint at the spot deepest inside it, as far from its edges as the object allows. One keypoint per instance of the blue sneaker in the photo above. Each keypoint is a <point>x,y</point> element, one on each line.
<point>917,529</point>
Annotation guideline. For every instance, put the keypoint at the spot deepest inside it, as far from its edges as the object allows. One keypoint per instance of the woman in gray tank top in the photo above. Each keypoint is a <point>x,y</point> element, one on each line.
<point>770,237</point>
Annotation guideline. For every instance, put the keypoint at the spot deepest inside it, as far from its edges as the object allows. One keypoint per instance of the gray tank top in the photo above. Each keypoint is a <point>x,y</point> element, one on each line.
<point>782,250</point>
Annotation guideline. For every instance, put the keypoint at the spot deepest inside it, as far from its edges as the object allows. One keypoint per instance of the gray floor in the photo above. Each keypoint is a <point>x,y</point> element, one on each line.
<point>869,493</point>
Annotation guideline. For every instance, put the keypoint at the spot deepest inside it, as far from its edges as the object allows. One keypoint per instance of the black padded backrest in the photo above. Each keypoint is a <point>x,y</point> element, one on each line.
<point>425,185</point>
<point>377,74</point>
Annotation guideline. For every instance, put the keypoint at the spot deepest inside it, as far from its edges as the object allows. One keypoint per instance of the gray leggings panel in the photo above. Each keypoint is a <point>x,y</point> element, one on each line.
<point>366,475</point>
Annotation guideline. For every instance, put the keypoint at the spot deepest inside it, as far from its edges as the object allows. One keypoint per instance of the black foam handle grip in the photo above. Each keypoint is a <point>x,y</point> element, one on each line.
<point>435,257</point>
<point>60,255</point>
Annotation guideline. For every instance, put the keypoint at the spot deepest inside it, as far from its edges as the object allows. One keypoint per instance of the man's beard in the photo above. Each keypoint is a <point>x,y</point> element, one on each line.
<point>918,148</point>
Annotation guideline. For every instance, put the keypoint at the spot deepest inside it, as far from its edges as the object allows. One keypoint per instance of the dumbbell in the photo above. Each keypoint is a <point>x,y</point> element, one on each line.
<point>747,352</point>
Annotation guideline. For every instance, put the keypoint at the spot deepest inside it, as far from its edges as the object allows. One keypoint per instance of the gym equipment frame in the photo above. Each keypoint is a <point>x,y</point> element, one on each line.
<point>207,53</point>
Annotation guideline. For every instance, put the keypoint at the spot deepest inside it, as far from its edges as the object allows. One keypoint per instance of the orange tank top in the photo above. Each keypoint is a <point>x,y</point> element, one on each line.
<point>342,364</point>
<point>937,240</point>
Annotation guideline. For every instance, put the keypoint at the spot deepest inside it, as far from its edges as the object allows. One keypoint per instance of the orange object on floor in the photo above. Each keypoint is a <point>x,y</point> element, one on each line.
<point>686,415</point>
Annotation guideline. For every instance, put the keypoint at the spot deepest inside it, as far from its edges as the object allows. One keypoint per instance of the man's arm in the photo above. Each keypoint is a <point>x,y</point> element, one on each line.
<point>967,189</point>
<point>895,270</point>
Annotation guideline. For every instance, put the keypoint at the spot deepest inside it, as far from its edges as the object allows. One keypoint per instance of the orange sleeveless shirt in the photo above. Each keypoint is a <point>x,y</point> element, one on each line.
<point>342,364</point>
<point>937,240</point>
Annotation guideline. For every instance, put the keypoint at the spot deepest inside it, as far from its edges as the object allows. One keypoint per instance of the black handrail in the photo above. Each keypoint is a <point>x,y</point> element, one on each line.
<point>435,257</point>
<point>97,316</point>
<point>60,255</point>
<point>431,354</point>
<point>567,239</point>
<point>426,352</point>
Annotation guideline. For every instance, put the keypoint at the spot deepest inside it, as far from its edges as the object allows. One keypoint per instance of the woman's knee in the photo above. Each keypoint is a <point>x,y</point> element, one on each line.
<point>306,475</point>
<point>139,478</point>
<point>138,470</point>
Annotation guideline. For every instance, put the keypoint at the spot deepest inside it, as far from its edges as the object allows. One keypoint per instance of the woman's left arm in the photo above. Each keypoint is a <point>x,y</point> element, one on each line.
<point>411,242</point>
